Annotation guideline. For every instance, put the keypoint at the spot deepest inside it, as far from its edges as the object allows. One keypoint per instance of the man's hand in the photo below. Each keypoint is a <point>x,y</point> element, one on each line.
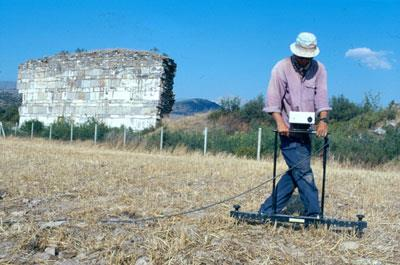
<point>322,129</point>
<point>281,126</point>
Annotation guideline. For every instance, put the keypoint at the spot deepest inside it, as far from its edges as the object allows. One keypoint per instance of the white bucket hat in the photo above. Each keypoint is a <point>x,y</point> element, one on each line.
<point>305,45</point>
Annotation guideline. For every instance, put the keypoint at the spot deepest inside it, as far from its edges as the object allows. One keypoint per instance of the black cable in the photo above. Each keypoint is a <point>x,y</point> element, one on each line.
<point>202,208</point>
<point>205,207</point>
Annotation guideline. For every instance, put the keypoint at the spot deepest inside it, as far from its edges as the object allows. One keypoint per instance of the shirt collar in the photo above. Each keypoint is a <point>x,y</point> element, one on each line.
<point>302,70</point>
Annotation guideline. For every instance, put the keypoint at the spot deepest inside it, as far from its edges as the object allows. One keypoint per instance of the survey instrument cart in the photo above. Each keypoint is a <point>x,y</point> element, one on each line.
<point>357,226</point>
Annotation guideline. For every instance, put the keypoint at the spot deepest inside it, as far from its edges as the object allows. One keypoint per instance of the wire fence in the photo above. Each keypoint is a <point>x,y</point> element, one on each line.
<point>254,143</point>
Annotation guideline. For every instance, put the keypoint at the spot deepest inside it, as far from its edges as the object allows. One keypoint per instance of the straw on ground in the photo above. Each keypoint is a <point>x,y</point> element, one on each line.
<point>44,181</point>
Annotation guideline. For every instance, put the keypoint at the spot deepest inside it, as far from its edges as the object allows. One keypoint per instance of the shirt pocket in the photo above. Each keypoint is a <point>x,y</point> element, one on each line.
<point>310,90</point>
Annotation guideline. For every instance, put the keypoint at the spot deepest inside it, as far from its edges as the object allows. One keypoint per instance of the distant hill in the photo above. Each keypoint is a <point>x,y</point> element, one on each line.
<point>8,85</point>
<point>8,94</point>
<point>193,106</point>
<point>9,98</point>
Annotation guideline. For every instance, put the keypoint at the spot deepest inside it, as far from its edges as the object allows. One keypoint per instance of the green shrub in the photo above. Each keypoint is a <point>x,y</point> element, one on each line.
<point>246,151</point>
<point>26,127</point>
<point>9,128</point>
<point>86,130</point>
<point>252,112</point>
<point>343,109</point>
<point>61,129</point>
<point>230,104</point>
<point>235,131</point>
<point>9,114</point>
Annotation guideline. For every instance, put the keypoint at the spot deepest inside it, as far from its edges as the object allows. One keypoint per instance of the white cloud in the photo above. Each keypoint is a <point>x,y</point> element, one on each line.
<point>371,59</point>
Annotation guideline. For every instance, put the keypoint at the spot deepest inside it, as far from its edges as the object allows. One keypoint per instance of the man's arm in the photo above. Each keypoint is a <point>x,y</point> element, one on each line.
<point>273,102</point>
<point>322,127</point>
<point>322,102</point>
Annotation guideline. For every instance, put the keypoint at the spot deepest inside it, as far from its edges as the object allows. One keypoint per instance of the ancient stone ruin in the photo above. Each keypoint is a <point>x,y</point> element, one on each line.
<point>117,87</point>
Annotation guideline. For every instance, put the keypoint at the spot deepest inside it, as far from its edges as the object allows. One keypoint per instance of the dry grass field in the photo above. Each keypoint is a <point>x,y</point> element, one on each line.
<point>55,196</point>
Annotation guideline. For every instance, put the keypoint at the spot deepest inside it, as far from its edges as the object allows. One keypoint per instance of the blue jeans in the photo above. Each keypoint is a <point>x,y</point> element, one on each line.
<point>294,150</point>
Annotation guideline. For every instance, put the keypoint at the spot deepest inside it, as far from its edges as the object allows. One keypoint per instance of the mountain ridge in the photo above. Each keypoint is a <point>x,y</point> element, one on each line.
<point>188,107</point>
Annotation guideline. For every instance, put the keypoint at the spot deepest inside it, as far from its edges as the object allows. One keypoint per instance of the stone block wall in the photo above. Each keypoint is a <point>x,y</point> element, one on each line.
<point>118,87</point>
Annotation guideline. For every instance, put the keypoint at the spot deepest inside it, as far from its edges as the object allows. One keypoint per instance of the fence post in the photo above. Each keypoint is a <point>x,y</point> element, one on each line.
<point>32,125</point>
<point>161,138</point>
<point>259,144</point>
<point>2,130</point>
<point>50,131</point>
<point>72,132</point>
<point>205,140</point>
<point>124,140</point>
<point>15,129</point>
<point>95,133</point>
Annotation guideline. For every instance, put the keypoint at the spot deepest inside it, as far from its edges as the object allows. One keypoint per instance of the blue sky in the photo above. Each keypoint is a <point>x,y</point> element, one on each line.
<point>222,48</point>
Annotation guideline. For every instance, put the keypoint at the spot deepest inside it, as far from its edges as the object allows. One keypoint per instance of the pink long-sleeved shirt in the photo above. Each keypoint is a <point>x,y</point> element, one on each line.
<point>288,91</point>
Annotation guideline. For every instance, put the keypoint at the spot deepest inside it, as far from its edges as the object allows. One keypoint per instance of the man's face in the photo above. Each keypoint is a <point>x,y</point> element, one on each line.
<point>302,60</point>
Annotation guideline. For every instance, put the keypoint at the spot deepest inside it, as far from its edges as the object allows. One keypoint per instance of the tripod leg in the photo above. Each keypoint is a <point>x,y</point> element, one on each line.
<point>324,160</point>
<point>274,190</point>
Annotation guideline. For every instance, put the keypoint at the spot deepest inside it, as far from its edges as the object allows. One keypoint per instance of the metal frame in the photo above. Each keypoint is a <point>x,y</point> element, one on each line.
<point>335,224</point>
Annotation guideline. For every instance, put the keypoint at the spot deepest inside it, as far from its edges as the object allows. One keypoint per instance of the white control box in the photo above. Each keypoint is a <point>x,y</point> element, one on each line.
<point>301,117</point>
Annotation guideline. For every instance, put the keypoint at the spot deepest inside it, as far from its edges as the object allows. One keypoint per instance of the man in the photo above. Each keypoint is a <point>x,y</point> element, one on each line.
<point>297,83</point>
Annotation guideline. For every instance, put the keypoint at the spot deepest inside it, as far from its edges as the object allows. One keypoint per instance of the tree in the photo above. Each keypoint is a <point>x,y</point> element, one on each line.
<point>343,109</point>
<point>253,110</point>
<point>392,110</point>
<point>63,52</point>
<point>9,113</point>
<point>371,102</point>
<point>230,104</point>
<point>155,50</point>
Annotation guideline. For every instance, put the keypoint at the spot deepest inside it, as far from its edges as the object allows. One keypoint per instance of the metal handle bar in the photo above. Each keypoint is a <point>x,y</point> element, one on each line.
<point>300,131</point>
